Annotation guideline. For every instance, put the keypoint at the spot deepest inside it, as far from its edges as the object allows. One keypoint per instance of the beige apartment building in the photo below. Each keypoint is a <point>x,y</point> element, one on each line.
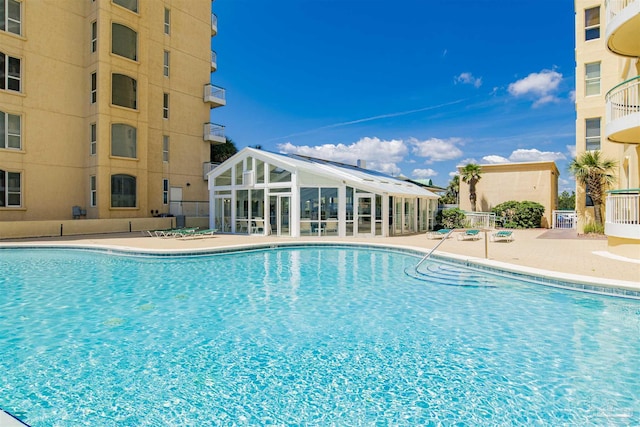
<point>608,111</point>
<point>105,106</point>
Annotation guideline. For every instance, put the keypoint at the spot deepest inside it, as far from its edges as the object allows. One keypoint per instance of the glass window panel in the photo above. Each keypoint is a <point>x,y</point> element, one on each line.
<point>124,41</point>
<point>93,189</point>
<point>123,91</point>
<point>309,203</point>
<point>94,36</point>
<point>13,74</point>
<point>132,5</point>
<point>277,174</point>
<point>239,169</point>
<point>13,131</point>
<point>592,134</point>
<point>123,191</point>
<point>13,189</point>
<point>3,71</point>
<point>259,171</point>
<point>167,21</point>
<point>3,143</point>
<point>592,16</point>
<point>166,64</point>
<point>223,179</point>
<point>165,148</point>
<point>123,140</point>
<point>329,203</point>
<point>592,79</point>
<point>13,16</point>
<point>93,138</point>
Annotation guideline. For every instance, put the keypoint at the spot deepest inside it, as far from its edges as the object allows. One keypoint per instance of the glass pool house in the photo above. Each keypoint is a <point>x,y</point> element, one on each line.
<point>264,193</point>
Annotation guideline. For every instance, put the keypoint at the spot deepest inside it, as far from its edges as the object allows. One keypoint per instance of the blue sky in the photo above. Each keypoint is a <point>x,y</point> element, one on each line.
<point>413,87</point>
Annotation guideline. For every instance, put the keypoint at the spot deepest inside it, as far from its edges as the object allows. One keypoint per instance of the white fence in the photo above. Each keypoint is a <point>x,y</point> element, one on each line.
<point>189,209</point>
<point>564,219</point>
<point>480,220</point>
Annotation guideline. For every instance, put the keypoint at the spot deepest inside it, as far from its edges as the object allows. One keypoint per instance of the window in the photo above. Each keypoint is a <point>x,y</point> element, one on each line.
<point>9,72</point>
<point>123,91</point>
<point>123,140</point>
<point>165,191</point>
<point>592,79</point>
<point>592,23</point>
<point>593,134</point>
<point>93,196</point>
<point>124,41</point>
<point>10,16</point>
<point>165,106</point>
<point>93,140</point>
<point>10,189</point>
<point>94,88</point>
<point>166,64</point>
<point>94,36</point>
<point>10,131</point>
<point>167,21</point>
<point>132,5</point>
<point>165,148</point>
<point>123,191</point>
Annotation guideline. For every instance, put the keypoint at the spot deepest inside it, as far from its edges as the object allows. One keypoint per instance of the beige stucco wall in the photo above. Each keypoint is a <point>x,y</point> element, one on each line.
<point>535,181</point>
<point>56,112</point>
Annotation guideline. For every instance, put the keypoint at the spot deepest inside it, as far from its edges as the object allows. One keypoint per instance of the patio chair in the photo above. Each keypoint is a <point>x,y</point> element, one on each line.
<point>208,232</point>
<point>502,235</point>
<point>470,235</point>
<point>439,234</point>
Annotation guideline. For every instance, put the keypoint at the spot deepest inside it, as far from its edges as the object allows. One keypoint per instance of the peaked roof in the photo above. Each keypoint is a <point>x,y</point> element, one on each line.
<point>355,176</point>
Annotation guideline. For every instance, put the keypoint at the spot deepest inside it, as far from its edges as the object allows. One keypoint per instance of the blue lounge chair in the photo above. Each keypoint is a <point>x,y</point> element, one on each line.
<point>201,233</point>
<point>502,235</point>
<point>440,234</point>
<point>469,235</point>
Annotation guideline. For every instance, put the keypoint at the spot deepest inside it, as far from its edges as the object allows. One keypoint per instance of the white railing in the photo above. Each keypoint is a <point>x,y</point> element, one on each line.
<point>564,219</point>
<point>214,132</point>
<point>214,59</point>
<point>622,217</point>
<point>189,209</point>
<point>480,220</point>
<point>215,94</point>
<point>614,7</point>
<point>214,23</point>
<point>624,99</point>
<point>208,167</point>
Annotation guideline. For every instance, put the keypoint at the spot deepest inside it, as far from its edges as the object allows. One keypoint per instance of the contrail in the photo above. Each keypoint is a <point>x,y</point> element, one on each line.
<point>368,119</point>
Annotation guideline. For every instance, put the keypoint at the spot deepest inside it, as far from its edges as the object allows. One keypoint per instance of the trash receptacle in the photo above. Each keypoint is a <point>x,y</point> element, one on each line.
<point>180,221</point>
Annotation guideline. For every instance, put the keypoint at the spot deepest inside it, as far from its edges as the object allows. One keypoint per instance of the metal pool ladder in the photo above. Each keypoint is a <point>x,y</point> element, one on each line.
<point>434,248</point>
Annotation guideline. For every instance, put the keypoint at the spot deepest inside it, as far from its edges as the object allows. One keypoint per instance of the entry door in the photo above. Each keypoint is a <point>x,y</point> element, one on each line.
<point>280,215</point>
<point>363,218</point>
<point>175,201</point>
<point>223,214</point>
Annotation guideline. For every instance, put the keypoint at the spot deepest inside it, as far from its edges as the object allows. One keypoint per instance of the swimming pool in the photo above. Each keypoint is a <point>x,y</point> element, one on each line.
<point>313,336</point>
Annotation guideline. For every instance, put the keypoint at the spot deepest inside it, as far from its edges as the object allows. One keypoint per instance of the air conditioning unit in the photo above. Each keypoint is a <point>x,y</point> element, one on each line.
<point>248,178</point>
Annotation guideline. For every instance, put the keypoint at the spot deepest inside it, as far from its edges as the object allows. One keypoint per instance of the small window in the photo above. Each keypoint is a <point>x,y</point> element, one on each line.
<point>593,134</point>
<point>123,191</point>
<point>93,195</point>
<point>93,140</point>
<point>166,64</point>
<point>9,72</point>
<point>165,148</point>
<point>592,23</point>
<point>10,189</point>
<point>592,79</point>
<point>167,21</point>
<point>124,41</point>
<point>124,91</point>
<point>165,191</point>
<point>165,106</point>
<point>132,5</point>
<point>94,36</point>
<point>10,131</point>
<point>123,140</point>
<point>11,16</point>
<point>94,88</point>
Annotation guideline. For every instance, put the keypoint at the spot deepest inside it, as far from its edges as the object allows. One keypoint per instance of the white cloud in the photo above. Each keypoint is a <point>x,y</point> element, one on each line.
<point>465,162</point>
<point>572,150</point>
<point>380,155</point>
<point>541,86</point>
<point>535,155</point>
<point>467,78</point>
<point>452,174</point>
<point>423,173</point>
<point>494,159</point>
<point>435,149</point>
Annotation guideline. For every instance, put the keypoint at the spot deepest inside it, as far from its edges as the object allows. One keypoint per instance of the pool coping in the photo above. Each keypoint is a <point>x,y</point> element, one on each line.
<point>575,282</point>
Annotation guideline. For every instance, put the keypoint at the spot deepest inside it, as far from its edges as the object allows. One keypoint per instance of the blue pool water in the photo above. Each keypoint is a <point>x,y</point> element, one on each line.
<point>304,336</point>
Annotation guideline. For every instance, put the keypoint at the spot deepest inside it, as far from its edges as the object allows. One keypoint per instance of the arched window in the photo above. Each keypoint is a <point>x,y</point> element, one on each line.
<point>123,140</point>
<point>124,41</point>
<point>123,91</point>
<point>123,191</point>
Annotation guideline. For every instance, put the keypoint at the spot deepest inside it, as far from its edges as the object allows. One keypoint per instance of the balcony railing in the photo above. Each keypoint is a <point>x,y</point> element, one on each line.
<point>214,133</point>
<point>208,167</point>
<point>614,7</point>
<point>623,26</point>
<point>623,112</point>
<point>214,95</point>
<point>622,218</point>
<point>214,24</point>
<point>214,60</point>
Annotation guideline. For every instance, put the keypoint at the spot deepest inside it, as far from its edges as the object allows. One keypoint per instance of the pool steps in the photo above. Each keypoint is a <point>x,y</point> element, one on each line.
<point>9,420</point>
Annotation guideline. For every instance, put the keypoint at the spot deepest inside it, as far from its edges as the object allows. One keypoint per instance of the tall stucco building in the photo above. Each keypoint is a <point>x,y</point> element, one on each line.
<point>105,105</point>
<point>607,55</point>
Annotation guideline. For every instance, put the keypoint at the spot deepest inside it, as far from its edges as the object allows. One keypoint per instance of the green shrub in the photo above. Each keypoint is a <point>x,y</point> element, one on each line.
<point>452,218</point>
<point>592,227</point>
<point>513,214</point>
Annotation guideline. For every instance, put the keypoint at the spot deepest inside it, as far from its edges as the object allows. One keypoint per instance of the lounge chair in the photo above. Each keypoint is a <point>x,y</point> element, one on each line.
<point>502,235</point>
<point>201,233</point>
<point>176,232</point>
<point>440,234</point>
<point>470,235</point>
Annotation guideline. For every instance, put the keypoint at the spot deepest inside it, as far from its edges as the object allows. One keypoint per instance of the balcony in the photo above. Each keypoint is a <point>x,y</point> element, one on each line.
<point>215,96</point>
<point>208,167</point>
<point>214,133</point>
<point>622,218</point>
<point>214,60</point>
<point>214,24</point>
<point>623,27</point>
<point>623,112</point>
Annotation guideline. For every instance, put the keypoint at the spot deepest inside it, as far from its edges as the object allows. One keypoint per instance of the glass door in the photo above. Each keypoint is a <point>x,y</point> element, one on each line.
<point>363,220</point>
<point>279,215</point>
<point>222,216</point>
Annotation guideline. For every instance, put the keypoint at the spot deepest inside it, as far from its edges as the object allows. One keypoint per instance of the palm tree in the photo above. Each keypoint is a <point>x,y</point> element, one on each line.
<point>221,152</point>
<point>471,174</point>
<point>596,174</point>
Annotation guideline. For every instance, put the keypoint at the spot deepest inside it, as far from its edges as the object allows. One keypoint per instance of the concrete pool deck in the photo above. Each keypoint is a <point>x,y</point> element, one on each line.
<point>559,254</point>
